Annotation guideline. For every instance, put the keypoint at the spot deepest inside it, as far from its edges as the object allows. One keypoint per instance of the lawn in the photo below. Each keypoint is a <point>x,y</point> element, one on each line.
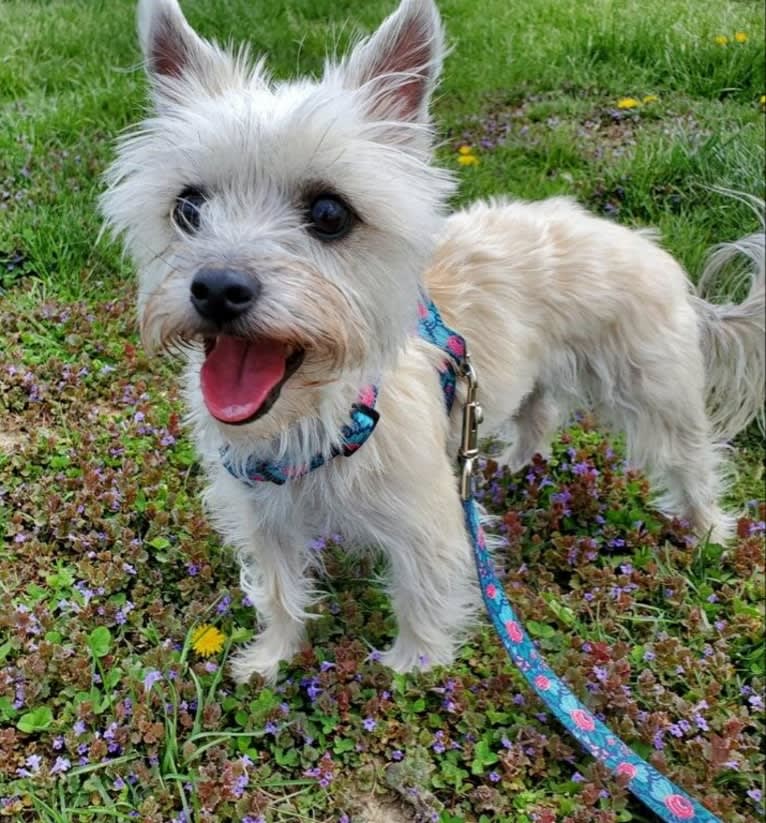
<point>107,566</point>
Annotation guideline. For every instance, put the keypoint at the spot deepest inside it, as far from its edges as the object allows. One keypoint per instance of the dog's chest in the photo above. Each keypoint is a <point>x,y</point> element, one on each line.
<point>324,503</point>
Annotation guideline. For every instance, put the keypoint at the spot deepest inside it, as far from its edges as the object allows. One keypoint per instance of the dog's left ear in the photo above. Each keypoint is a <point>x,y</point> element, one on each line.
<point>399,65</point>
<point>173,51</point>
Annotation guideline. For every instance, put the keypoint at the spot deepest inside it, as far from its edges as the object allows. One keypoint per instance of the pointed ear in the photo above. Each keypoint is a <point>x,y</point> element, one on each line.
<point>170,45</point>
<point>400,64</point>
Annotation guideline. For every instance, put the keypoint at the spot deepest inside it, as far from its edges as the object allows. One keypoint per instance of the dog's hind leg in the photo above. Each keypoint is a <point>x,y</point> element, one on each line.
<point>534,424</point>
<point>668,434</point>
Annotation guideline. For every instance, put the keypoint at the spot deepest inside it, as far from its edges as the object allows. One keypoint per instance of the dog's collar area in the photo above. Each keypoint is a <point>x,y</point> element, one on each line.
<point>364,417</point>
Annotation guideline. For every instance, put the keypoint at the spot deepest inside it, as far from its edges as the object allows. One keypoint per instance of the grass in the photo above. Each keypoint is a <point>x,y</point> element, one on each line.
<point>108,566</point>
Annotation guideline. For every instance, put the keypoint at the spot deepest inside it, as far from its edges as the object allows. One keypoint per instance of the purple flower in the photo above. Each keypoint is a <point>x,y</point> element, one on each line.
<point>317,544</point>
<point>224,605</point>
<point>313,689</point>
<point>78,728</point>
<point>151,677</point>
<point>397,755</point>
<point>248,818</point>
<point>271,727</point>
<point>577,778</point>
<point>755,795</point>
<point>369,724</point>
<point>62,764</point>
<point>33,763</point>
<point>118,784</point>
<point>494,777</point>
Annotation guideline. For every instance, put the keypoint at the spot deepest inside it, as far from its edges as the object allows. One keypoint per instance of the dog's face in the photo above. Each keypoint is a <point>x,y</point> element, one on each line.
<point>281,228</point>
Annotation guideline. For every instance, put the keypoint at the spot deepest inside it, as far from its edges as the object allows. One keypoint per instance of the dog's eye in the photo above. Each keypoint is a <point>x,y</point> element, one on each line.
<point>186,211</point>
<point>329,217</point>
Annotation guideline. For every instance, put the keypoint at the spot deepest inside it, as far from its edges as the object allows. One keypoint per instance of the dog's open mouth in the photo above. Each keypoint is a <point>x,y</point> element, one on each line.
<point>241,379</point>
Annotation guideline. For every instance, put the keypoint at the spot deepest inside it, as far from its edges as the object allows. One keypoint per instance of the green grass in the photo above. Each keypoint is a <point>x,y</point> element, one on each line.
<point>108,564</point>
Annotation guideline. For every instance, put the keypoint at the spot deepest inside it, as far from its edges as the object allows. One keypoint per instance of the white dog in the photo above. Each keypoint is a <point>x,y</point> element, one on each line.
<point>282,232</point>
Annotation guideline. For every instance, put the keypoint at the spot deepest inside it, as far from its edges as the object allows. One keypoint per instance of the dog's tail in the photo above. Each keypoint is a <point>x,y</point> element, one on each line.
<point>733,335</point>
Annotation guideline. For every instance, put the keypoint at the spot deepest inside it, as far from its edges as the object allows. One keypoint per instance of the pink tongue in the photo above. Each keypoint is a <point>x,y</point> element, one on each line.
<point>238,375</point>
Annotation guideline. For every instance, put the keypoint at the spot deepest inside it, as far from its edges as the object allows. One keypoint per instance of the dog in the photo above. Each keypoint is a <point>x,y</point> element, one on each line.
<point>284,232</point>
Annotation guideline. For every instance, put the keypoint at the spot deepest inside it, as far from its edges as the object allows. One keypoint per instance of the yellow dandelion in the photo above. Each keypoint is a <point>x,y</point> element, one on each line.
<point>468,160</point>
<point>628,103</point>
<point>207,640</point>
<point>650,98</point>
<point>465,150</point>
<point>763,100</point>
<point>721,40</point>
<point>740,36</point>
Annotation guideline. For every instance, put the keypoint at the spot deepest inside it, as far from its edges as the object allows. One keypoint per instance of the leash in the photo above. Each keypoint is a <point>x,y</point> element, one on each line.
<point>651,787</point>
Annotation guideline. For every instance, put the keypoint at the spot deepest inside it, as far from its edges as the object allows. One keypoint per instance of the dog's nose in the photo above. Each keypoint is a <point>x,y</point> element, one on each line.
<point>221,295</point>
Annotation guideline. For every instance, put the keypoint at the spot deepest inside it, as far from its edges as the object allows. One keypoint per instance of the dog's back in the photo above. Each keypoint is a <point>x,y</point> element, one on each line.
<point>563,309</point>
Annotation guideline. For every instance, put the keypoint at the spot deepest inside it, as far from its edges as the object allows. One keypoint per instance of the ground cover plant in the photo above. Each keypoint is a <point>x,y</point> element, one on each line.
<point>119,604</point>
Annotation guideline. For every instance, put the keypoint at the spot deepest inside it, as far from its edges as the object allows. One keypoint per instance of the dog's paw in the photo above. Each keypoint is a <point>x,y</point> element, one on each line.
<point>262,657</point>
<point>405,657</point>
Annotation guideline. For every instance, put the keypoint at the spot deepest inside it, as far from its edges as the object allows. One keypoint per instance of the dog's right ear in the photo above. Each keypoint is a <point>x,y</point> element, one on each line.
<point>171,47</point>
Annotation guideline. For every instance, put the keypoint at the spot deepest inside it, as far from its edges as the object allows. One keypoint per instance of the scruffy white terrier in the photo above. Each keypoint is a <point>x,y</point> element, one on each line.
<point>282,232</point>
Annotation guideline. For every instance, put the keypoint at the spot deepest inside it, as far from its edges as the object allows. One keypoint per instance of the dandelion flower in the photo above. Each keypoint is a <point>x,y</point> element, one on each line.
<point>465,150</point>
<point>740,36</point>
<point>763,99</point>
<point>207,640</point>
<point>468,160</point>
<point>628,103</point>
<point>721,40</point>
<point>650,98</point>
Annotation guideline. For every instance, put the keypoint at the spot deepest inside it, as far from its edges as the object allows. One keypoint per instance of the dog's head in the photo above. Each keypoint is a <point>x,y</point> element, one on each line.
<point>281,227</point>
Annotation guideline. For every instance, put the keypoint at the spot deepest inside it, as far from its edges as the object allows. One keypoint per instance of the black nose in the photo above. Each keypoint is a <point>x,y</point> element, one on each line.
<point>221,295</point>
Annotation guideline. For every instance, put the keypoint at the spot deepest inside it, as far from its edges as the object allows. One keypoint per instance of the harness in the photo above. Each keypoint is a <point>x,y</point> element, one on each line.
<point>651,787</point>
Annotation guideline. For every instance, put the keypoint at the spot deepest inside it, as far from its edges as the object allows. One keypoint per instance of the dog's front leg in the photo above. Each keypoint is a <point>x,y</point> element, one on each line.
<point>264,527</point>
<point>432,578</point>
<point>273,576</point>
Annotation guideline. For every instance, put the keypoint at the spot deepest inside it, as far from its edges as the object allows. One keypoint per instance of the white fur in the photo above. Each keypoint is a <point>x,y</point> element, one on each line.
<point>559,309</point>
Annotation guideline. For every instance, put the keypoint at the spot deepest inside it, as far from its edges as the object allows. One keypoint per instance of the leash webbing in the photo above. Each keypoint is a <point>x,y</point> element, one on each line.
<point>651,787</point>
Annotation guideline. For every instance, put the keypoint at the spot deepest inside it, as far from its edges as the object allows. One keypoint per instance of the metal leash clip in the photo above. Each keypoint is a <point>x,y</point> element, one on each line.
<point>469,441</point>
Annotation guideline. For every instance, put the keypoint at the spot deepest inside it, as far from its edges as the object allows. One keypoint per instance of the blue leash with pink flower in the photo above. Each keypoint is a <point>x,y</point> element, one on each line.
<point>651,787</point>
